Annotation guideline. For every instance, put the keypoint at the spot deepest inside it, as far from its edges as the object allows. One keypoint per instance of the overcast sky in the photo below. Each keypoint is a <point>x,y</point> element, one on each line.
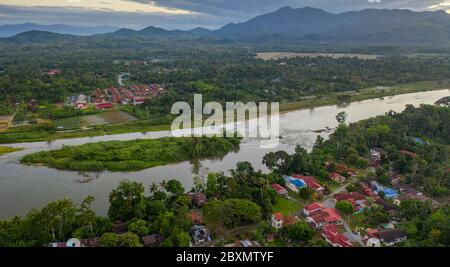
<point>179,14</point>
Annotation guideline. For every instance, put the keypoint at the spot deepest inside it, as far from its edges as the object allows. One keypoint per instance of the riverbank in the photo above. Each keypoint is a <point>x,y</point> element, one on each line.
<point>151,126</point>
<point>365,94</point>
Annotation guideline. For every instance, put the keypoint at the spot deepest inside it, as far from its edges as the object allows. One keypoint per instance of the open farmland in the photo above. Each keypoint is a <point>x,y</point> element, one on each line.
<point>112,117</point>
<point>4,120</point>
<point>287,55</point>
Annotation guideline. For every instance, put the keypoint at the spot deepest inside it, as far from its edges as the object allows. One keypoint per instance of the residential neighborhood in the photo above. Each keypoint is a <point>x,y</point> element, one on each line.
<point>106,98</point>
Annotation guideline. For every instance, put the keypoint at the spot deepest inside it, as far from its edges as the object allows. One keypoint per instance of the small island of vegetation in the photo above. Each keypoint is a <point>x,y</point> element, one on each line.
<point>133,155</point>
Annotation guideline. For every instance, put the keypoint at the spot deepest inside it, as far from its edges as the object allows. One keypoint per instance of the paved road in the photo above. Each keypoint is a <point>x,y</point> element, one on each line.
<point>329,203</point>
<point>120,78</point>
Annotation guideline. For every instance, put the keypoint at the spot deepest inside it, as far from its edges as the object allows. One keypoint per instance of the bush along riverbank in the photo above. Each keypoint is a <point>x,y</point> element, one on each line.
<point>133,155</point>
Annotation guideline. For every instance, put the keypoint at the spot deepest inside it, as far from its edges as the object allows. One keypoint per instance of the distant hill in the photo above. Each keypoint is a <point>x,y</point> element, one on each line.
<point>369,26</point>
<point>11,30</point>
<point>152,32</point>
<point>201,31</point>
<point>38,37</point>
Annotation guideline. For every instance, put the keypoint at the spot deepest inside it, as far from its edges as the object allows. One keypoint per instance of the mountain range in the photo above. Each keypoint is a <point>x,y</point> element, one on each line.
<point>11,30</point>
<point>287,24</point>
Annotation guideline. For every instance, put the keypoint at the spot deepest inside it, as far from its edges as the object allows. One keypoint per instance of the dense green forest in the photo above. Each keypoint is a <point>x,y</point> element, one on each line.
<point>219,72</point>
<point>133,155</point>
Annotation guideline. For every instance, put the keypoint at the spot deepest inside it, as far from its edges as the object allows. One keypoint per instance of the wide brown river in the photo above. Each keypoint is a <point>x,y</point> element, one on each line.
<point>23,188</point>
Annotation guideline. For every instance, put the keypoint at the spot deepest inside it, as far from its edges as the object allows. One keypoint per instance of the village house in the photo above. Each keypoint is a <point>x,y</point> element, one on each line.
<point>390,237</point>
<point>93,242</point>
<point>391,208</point>
<point>373,242</point>
<point>348,196</point>
<point>294,184</point>
<point>198,198</point>
<point>196,218</point>
<point>154,240</point>
<point>277,220</point>
<point>375,156</point>
<point>408,153</point>
<point>53,72</point>
<point>244,244</point>
<point>200,234</point>
<point>280,190</point>
<point>119,227</point>
<point>334,238</point>
<point>368,191</point>
<point>388,192</point>
<point>343,169</point>
<point>314,207</point>
<point>408,192</point>
<point>324,217</point>
<point>311,182</point>
<point>337,177</point>
<point>81,101</point>
<point>104,106</point>
<point>138,101</point>
<point>77,243</point>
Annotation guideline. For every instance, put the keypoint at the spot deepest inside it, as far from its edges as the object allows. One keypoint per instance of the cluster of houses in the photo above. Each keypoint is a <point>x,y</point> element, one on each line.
<point>199,232</point>
<point>106,98</point>
<point>399,191</point>
<point>326,220</point>
<point>119,228</point>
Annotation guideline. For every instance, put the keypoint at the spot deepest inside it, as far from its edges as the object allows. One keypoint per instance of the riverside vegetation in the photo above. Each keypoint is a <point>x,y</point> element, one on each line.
<point>133,155</point>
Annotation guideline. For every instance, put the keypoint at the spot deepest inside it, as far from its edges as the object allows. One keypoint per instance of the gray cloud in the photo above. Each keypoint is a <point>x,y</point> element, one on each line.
<point>212,13</point>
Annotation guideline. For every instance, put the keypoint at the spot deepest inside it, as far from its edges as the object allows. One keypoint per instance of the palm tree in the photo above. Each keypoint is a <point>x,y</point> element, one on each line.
<point>163,184</point>
<point>154,188</point>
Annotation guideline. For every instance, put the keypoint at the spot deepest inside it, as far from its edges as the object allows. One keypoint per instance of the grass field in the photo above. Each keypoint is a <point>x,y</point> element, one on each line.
<point>287,55</point>
<point>112,117</point>
<point>286,206</point>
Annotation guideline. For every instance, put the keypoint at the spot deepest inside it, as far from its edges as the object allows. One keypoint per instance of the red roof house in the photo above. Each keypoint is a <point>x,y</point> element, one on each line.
<point>310,181</point>
<point>337,177</point>
<point>196,218</point>
<point>408,153</point>
<point>334,238</point>
<point>104,106</point>
<point>324,217</point>
<point>310,209</point>
<point>280,190</point>
<point>277,220</point>
<point>349,196</point>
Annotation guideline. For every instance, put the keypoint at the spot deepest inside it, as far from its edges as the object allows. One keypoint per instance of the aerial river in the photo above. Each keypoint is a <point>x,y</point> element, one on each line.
<point>23,188</point>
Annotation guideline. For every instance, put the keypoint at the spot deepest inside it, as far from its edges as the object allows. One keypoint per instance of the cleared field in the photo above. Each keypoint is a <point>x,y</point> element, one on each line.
<point>4,119</point>
<point>113,117</point>
<point>280,55</point>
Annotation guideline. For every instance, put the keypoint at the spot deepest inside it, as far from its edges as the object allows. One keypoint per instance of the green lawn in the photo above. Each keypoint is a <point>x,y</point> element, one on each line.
<point>287,207</point>
<point>68,123</point>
